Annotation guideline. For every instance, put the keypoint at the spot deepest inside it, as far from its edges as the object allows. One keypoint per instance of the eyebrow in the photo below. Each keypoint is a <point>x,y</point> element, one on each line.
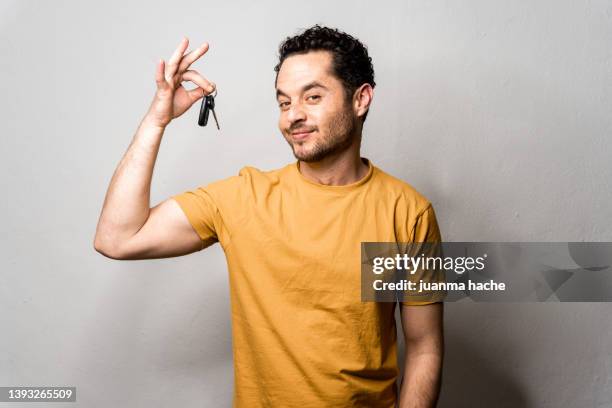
<point>310,85</point>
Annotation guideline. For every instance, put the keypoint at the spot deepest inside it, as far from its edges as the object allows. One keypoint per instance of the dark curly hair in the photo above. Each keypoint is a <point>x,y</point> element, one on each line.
<point>350,61</point>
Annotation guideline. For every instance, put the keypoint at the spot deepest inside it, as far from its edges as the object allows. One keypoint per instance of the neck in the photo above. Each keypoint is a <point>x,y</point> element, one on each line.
<point>336,170</point>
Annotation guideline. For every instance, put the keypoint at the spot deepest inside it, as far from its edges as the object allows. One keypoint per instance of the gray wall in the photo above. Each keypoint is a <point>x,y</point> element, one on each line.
<point>498,112</point>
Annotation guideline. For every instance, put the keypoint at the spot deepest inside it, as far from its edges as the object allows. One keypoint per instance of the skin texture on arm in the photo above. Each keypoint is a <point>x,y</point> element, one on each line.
<point>423,331</point>
<point>166,233</point>
<point>128,228</point>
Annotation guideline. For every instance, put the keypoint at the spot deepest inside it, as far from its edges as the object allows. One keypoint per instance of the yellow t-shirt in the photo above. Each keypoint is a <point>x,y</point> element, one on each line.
<point>302,337</point>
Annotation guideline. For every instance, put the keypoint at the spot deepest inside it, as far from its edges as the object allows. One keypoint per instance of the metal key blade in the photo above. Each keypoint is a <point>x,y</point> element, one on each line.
<point>216,120</point>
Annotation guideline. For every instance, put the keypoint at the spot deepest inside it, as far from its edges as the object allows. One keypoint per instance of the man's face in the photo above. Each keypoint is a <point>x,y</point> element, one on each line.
<point>315,118</point>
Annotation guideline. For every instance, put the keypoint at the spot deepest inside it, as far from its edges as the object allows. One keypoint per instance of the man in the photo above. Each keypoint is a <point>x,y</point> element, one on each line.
<point>301,335</point>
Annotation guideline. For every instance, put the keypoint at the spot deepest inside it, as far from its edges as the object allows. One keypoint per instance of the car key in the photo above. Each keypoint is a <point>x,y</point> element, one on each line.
<point>208,104</point>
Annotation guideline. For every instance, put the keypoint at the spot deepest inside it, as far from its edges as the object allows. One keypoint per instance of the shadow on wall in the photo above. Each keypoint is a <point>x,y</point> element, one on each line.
<point>470,379</point>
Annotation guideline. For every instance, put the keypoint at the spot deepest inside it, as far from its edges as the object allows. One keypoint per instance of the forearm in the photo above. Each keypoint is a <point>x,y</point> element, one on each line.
<point>127,203</point>
<point>422,378</point>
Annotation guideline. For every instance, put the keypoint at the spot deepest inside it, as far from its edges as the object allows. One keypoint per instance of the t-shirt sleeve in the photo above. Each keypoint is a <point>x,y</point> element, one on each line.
<point>426,229</point>
<point>202,213</point>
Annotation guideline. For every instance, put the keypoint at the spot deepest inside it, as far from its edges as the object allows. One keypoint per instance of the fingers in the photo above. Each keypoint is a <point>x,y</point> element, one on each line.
<point>178,64</point>
<point>192,56</point>
<point>173,62</point>
<point>159,75</point>
<point>199,80</point>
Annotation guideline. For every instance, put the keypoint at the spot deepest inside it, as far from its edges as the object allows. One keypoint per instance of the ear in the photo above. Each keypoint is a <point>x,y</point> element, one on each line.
<point>362,98</point>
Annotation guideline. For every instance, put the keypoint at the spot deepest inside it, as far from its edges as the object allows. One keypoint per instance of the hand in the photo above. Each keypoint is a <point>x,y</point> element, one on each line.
<point>171,98</point>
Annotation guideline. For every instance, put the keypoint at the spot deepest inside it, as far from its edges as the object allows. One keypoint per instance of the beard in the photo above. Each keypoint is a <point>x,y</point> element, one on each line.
<point>339,137</point>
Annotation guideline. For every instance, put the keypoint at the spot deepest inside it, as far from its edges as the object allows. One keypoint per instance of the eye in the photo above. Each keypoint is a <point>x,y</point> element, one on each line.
<point>314,96</point>
<point>282,104</point>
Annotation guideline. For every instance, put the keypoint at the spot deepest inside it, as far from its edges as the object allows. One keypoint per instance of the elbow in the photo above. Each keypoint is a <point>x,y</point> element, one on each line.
<point>105,249</point>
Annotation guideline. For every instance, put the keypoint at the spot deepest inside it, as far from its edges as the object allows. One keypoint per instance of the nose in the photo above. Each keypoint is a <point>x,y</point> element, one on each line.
<point>296,113</point>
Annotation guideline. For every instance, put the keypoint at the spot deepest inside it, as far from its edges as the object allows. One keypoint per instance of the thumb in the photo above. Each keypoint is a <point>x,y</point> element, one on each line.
<point>195,94</point>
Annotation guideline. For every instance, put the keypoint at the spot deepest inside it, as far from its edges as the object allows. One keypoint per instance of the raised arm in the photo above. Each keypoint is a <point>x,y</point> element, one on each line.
<point>128,228</point>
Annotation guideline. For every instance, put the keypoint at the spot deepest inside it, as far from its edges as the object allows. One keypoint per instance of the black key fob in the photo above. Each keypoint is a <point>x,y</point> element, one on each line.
<point>208,103</point>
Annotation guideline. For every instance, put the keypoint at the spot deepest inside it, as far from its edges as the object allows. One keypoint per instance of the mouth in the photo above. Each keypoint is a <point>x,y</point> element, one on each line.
<point>298,136</point>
